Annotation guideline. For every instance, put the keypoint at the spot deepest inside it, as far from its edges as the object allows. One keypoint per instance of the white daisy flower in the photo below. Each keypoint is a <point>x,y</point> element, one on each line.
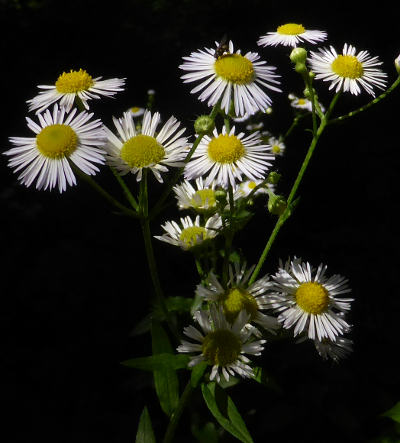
<point>336,350</point>
<point>190,233</point>
<point>277,146</point>
<point>349,70</point>
<point>135,150</point>
<point>221,344</point>
<point>255,126</point>
<point>136,111</point>
<point>291,34</point>
<point>231,77</point>
<point>226,157</point>
<point>238,297</point>
<point>75,84</point>
<point>60,139</point>
<point>246,187</point>
<point>307,300</point>
<point>202,198</point>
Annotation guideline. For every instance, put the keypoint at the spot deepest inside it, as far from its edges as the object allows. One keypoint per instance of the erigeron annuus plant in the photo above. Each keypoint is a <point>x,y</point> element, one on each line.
<point>213,175</point>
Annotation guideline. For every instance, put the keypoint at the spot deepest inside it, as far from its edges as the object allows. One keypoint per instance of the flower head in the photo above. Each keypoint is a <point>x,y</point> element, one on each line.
<point>70,85</point>
<point>201,198</point>
<point>248,186</point>
<point>277,146</point>
<point>349,70</point>
<point>221,344</point>
<point>239,296</point>
<point>134,151</point>
<point>308,300</point>
<point>60,139</point>
<point>190,233</point>
<point>302,103</point>
<point>231,77</point>
<point>226,157</point>
<point>291,34</point>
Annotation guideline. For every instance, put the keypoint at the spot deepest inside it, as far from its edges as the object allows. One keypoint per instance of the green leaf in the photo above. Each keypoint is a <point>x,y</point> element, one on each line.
<point>165,381</point>
<point>225,412</point>
<point>158,362</point>
<point>207,434</point>
<point>179,304</point>
<point>393,413</point>
<point>145,432</point>
<point>197,373</point>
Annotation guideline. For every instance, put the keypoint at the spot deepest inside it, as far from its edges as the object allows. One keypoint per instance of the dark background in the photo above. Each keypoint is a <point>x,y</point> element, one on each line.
<point>74,276</point>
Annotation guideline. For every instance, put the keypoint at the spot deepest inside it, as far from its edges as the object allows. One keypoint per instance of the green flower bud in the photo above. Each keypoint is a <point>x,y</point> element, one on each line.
<point>204,125</point>
<point>301,68</point>
<point>276,204</point>
<point>273,178</point>
<point>298,55</point>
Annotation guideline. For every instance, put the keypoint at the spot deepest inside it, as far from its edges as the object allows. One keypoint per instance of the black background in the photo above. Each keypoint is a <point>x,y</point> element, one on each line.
<point>74,276</point>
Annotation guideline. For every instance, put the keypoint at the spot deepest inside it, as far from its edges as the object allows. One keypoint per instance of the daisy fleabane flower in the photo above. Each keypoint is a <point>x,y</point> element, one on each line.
<point>349,70</point>
<point>70,85</point>
<point>291,34</point>
<point>336,350</point>
<point>226,157</point>
<point>231,77</point>
<point>239,296</point>
<point>60,138</point>
<point>247,187</point>
<point>221,344</point>
<point>200,198</point>
<point>308,300</point>
<point>134,150</point>
<point>190,233</point>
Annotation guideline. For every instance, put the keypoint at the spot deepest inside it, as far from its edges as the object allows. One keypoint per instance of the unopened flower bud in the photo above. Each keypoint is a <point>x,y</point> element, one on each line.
<point>397,64</point>
<point>300,68</point>
<point>276,204</point>
<point>273,178</point>
<point>298,55</point>
<point>204,125</point>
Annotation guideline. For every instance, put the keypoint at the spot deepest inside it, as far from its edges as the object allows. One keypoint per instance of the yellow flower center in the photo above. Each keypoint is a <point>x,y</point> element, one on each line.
<point>135,109</point>
<point>142,151</point>
<point>225,149</point>
<point>252,185</point>
<point>193,235</point>
<point>301,101</point>
<point>235,68</point>
<point>290,29</point>
<point>221,347</point>
<point>347,66</point>
<point>276,149</point>
<point>57,141</point>
<point>74,81</point>
<point>312,297</point>
<point>203,198</point>
<point>235,300</point>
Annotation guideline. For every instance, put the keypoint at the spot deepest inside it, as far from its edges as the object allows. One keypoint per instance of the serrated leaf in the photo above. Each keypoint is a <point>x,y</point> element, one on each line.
<point>225,411</point>
<point>165,381</point>
<point>158,362</point>
<point>393,413</point>
<point>145,432</point>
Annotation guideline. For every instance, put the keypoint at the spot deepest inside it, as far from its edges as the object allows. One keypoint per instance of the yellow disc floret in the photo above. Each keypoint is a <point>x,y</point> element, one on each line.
<point>142,151</point>
<point>290,29</point>
<point>235,68</point>
<point>74,81</point>
<point>203,198</point>
<point>347,66</point>
<point>225,149</point>
<point>276,149</point>
<point>221,347</point>
<point>235,300</point>
<point>192,236</point>
<point>312,297</point>
<point>57,141</point>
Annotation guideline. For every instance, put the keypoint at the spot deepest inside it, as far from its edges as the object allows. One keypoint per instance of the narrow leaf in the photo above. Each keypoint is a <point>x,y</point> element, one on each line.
<point>165,381</point>
<point>197,373</point>
<point>393,413</point>
<point>145,432</point>
<point>225,411</point>
<point>207,434</point>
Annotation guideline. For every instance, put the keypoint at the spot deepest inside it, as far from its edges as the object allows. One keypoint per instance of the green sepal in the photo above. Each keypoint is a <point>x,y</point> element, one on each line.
<point>225,412</point>
<point>145,432</point>
<point>158,362</point>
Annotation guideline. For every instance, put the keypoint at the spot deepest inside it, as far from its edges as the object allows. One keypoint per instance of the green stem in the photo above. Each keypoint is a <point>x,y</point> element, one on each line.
<point>131,199</point>
<point>176,415</point>
<point>368,105</point>
<point>283,217</point>
<point>88,179</point>
<point>229,233</point>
